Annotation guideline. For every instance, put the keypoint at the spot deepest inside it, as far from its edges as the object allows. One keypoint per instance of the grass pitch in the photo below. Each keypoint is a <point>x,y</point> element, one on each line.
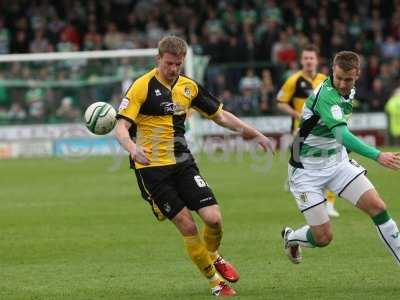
<point>78,229</point>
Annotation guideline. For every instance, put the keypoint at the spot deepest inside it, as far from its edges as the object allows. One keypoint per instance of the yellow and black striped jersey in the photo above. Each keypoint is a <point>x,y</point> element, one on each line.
<point>158,111</point>
<point>296,90</point>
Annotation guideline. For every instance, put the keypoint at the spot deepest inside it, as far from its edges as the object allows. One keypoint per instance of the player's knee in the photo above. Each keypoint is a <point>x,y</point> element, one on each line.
<point>214,219</point>
<point>324,239</point>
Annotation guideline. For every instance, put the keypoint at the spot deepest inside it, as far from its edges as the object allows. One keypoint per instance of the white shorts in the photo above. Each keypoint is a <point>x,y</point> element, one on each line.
<point>308,186</point>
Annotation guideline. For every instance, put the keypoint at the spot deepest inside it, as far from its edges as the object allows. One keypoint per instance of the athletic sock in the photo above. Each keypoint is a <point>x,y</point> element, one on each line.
<point>303,237</point>
<point>199,255</point>
<point>389,233</point>
<point>215,280</point>
<point>212,239</point>
<point>330,197</point>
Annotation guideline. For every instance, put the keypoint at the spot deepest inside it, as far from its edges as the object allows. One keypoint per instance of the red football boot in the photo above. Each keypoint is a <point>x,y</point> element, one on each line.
<point>226,269</point>
<point>223,290</point>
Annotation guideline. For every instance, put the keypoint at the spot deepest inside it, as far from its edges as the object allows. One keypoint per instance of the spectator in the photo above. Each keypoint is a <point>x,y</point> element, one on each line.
<point>230,101</point>
<point>248,102</point>
<point>66,112</point>
<point>250,82</point>
<point>234,35</point>
<point>267,92</point>
<point>4,38</point>
<point>40,43</point>
<point>36,107</point>
<point>3,115</point>
<point>283,52</point>
<point>377,96</point>
<point>70,34</point>
<point>65,44</point>
<point>112,38</point>
<point>390,48</point>
<point>20,42</point>
<point>92,39</point>
<point>16,113</point>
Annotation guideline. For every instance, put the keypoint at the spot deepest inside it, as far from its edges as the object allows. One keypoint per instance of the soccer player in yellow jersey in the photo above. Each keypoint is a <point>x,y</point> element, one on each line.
<point>295,91</point>
<point>151,128</point>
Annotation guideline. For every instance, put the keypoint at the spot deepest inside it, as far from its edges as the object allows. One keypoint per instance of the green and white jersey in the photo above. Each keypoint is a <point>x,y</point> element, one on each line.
<point>315,146</point>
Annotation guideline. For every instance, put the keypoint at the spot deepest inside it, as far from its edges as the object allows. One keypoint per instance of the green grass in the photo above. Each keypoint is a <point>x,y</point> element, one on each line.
<point>79,230</point>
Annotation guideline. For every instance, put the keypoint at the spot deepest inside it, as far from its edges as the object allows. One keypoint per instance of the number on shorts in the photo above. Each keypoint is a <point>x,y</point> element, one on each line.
<point>200,182</point>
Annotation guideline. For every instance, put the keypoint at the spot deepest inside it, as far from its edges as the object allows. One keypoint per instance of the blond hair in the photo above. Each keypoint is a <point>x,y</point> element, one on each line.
<point>347,60</point>
<point>173,45</point>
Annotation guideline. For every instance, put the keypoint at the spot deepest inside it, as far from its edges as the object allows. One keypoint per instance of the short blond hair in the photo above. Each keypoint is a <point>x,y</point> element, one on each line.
<point>347,60</point>
<point>173,45</point>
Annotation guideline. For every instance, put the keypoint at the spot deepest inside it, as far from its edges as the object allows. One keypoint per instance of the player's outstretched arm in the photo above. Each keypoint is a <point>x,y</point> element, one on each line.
<point>122,134</point>
<point>353,143</point>
<point>230,121</point>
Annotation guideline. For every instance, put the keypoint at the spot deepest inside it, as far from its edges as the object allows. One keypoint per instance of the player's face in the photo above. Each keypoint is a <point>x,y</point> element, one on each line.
<point>344,81</point>
<point>309,61</point>
<point>170,66</point>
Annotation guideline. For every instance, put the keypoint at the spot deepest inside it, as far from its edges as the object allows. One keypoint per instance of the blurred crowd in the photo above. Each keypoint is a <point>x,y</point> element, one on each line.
<point>253,46</point>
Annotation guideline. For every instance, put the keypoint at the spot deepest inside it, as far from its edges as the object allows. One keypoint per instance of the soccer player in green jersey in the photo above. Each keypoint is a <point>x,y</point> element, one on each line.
<point>319,161</point>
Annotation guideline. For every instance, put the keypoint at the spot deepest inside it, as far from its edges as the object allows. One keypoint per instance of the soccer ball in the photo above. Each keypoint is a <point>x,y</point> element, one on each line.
<point>100,118</point>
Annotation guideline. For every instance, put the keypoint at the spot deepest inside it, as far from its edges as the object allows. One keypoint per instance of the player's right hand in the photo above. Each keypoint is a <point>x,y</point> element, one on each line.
<point>140,155</point>
<point>265,143</point>
<point>389,160</point>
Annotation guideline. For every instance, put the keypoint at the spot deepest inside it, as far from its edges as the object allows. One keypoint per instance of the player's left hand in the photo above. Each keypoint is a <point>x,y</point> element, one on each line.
<point>390,160</point>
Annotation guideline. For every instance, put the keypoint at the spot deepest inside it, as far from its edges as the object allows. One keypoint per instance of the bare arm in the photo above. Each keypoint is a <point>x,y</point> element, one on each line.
<point>287,109</point>
<point>122,134</point>
<point>230,121</point>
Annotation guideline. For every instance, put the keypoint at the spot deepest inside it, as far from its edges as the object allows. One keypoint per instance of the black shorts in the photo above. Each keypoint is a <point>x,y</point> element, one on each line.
<point>173,187</point>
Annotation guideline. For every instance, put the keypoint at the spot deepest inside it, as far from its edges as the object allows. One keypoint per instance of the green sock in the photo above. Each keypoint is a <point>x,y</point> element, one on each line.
<point>310,238</point>
<point>381,218</point>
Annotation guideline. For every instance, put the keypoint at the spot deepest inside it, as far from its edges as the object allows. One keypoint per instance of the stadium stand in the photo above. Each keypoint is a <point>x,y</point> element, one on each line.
<point>263,38</point>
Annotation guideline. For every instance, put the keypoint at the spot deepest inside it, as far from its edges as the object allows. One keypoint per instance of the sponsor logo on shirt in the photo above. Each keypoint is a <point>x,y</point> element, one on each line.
<point>124,104</point>
<point>336,112</point>
<point>171,108</point>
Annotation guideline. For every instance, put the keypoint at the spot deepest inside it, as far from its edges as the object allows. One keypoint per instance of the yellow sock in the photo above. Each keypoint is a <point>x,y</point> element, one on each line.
<point>215,280</point>
<point>212,239</point>
<point>330,196</point>
<point>199,255</point>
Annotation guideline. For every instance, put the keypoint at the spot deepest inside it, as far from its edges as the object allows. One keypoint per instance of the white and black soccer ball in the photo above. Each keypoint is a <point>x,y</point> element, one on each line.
<point>100,118</point>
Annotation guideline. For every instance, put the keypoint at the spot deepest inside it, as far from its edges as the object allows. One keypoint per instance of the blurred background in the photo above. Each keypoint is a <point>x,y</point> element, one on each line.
<point>242,52</point>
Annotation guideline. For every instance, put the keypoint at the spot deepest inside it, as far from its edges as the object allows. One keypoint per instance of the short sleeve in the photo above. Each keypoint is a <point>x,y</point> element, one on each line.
<point>286,92</point>
<point>206,103</point>
<point>133,100</point>
<point>329,110</point>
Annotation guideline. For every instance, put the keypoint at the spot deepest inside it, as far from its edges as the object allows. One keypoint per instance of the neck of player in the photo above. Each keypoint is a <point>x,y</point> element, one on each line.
<point>310,74</point>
